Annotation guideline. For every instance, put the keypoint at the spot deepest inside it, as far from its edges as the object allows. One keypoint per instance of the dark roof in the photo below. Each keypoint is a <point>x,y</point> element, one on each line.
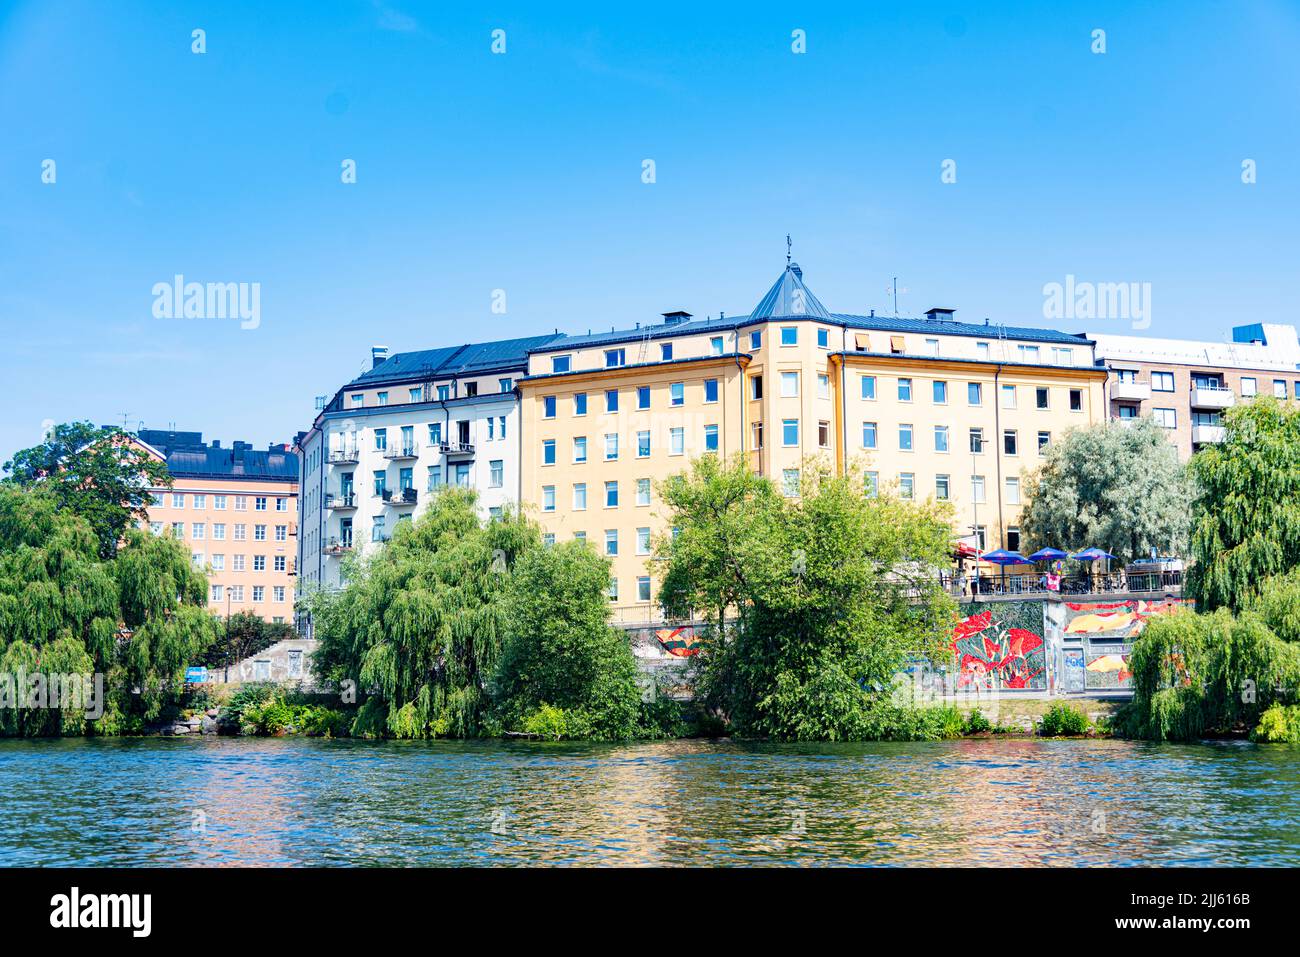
<point>954,328</point>
<point>789,298</point>
<point>188,457</point>
<point>657,331</point>
<point>453,361</point>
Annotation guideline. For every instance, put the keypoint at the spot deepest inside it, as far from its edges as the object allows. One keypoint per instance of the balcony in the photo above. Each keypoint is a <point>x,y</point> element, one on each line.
<point>400,496</point>
<point>346,500</point>
<point>1128,422</point>
<point>451,449</point>
<point>1205,434</point>
<point>344,457</point>
<point>337,546</point>
<point>1211,398</point>
<point>1130,391</point>
<point>402,452</point>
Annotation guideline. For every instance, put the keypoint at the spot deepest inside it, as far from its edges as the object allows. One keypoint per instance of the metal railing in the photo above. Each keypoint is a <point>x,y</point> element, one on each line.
<point>402,452</point>
<point>400,496</point>
<point>1012,584</point>
<point>345,500</point>
<point>344,457</point>
<point>457,448</point>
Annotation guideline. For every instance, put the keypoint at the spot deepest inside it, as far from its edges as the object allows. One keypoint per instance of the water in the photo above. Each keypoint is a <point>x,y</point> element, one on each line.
<point>973,802</point>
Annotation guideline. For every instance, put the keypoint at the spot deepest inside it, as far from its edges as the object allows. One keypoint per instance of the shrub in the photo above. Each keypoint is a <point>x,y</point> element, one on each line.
<point>547,722</point>
<point>1279,724</point>
<point>976,723</point>
<point>1061,720</point>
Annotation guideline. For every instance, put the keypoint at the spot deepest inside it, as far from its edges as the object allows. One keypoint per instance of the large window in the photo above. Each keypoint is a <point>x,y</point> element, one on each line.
<point>790,432</point>
<point>1162,382</point>
<point>869,435</point>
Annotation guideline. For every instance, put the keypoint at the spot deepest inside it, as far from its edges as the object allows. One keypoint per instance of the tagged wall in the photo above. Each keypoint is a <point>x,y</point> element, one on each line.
<point>1099,638</point>
<point>1000,645</point>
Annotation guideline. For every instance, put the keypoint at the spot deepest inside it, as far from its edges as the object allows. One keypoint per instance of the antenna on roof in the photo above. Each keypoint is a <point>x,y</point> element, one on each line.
<point>789,247</point>
<point>125,416</point>
<point>895,291</point>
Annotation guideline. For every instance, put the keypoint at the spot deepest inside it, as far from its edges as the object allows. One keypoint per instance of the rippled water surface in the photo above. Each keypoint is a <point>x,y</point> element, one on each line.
<point>977,802</point>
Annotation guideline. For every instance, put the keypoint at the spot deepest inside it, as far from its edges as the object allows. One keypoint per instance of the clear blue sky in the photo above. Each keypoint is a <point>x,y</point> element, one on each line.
<point>523,172</point>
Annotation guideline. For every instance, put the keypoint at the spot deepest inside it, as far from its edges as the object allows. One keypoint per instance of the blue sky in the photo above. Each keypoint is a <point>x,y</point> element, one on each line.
<point>522,172</point>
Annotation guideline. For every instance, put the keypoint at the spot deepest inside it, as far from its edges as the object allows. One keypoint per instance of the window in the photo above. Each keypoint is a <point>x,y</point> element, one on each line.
<point>1041,395</point>
<point>756,387</point>
<point>548,538</point>
<point>1249,386</point>
<point>611,446</point>
<point>941,438</point>
<point>1062,357</point>
<point>643,397</point>
<point>643,541</point>
<point>932,347</point>
<point>643,444</point>
<point>823,339</point>
<point>1166,417</point>
<point>905,437</point>
<point>756,339</point>
<point>1008,397</point>
<point>715,345</point>
<point>178,500</point>
<point>977,488</point>
<point>941,484</point>
<point>219,563</point>
<point>356,401</point>
<point>981,350</point>
<point>259,563</point>
<point>613,589</point>
<point>904,390</point>
<point>868,387</point>
<point>506,384</point>
<point>611,541</point>
<point>1013,538</point>
<point>580,497</point>
<point>1162,382</point>
<point>561,363</point>
<point>906,485</point>
<point>869,435</point>
<point>823,386</point>
<point>282,505</point>
<point>643,491</point>
<point>666,351</point>
<point>871,481</point>
<point>381,398</point>
<point>615,358</point>
<point>789,482</point>
<point>491,422</point>
<point>977,440</point>
<point>197,530</point>
<point>974,393</point>
<point>1279,391</point>
<point>789,335</point>
<point>611,400</point>
<point>580,403</point>
<point>279,563</point>
<point>710,438</point>
<point>824,434</point>
<point>241,531</point>
<point>435,428</point>
<point>643,588</point>
<point>444,393</point>
<point>282,531</point>
<point>1076,400</point>
<point>381,443</point>
<point>789,385</point>
<point>1044,440</point>
<point>219,531</point>
<point>216,593</point>
<point>1009,443</point>
<point>259,533</point>
<point>548,451</point>
<point>237,563</point>
<point>756,433</point>
<point>548,498</point>
<point>201,501</point>
<point>710,390</point>
<point>579,448</point>
<point>1029,354</point>
<point>219,502</point>
<point>940,389</point>
<point>1013,491</point>
<point>496,473</point>
<point>789,432</point>
<point>611,494</point>
<point>677,394</point>
<point>897,346</point>
<point>677,441</point>
<point>259,503</point>
<point>416,394</point>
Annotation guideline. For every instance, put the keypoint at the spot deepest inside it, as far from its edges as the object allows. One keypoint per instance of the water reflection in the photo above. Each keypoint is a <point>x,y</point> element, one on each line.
<point>1021,803</point>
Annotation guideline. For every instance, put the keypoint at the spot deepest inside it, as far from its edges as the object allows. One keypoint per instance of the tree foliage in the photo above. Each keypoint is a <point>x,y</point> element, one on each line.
<point>1246,515</point>
<point>137,618</point>
<point>812,603</point>
<point>1118,487</point>
<point>243,635</point>
<point>95,472</point>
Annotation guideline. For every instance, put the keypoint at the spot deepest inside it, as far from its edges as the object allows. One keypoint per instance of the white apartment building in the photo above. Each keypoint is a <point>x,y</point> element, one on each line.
<point>386,440</point>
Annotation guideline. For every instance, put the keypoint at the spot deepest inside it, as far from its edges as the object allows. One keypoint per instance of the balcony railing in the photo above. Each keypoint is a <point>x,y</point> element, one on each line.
<point>401,496</point>
<point>402,452</point>
<point>1131,391</point>
<point>1202,434</point>
<point>1212,397</point>
<point>344,457</point>
<point>457,448</point>
<point>337,546</point>
<point>1139,582</point>
<point>345,500</point>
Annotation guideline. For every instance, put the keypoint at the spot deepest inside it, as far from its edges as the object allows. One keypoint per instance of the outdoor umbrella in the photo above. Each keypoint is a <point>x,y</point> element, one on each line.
<point>1048,555</point>
<point>1005,558</point>
<point>1092,554</point>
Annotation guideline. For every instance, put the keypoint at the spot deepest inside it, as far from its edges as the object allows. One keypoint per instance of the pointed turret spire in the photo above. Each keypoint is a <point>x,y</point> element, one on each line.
<point>789,298</point>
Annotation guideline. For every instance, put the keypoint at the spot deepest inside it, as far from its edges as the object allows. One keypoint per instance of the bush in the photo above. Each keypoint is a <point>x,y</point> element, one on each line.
<point>547,722</point>
<point>1280,724</point>
<point>976,723</point>
<point>1061,720</point>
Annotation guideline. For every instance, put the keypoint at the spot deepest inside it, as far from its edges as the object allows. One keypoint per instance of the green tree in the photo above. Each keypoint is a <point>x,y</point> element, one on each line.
<point>97,473</point>
<point>560,649</point>
<point>1117,486</point>
<point>243,635</point>
<point>1246,515</point>
<point>812,603</point>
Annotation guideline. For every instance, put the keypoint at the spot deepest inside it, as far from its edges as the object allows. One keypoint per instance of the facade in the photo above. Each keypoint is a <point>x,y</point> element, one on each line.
<point>411,424</point>
<point>236,510</point>
<point>931,407</point>
<point>1187,386</point>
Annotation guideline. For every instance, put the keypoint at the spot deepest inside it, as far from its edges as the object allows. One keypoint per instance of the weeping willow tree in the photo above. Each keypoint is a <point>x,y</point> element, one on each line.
<point>1246,514</point>
<point>136,619</point>
<point>419,626</point>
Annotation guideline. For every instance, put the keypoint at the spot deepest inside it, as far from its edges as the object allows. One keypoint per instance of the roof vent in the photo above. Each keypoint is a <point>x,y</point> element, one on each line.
<point>675,318</point>
<point>938,314</point>
<point>378,356</point>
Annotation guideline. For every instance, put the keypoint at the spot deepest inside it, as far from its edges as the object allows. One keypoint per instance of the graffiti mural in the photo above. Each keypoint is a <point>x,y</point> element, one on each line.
<point>1001,646</point>
<point>1107,631</point>
<point>679,642</point>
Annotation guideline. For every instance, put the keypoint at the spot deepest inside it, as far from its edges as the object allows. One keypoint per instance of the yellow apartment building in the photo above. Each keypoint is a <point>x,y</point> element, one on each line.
<point>931,407</point>
<point>236,510</point>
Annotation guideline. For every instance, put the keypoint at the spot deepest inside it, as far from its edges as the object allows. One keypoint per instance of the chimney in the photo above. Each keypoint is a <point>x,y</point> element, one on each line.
<point>378,356</point>
<point>216,443</point>
<point>675,318</point>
